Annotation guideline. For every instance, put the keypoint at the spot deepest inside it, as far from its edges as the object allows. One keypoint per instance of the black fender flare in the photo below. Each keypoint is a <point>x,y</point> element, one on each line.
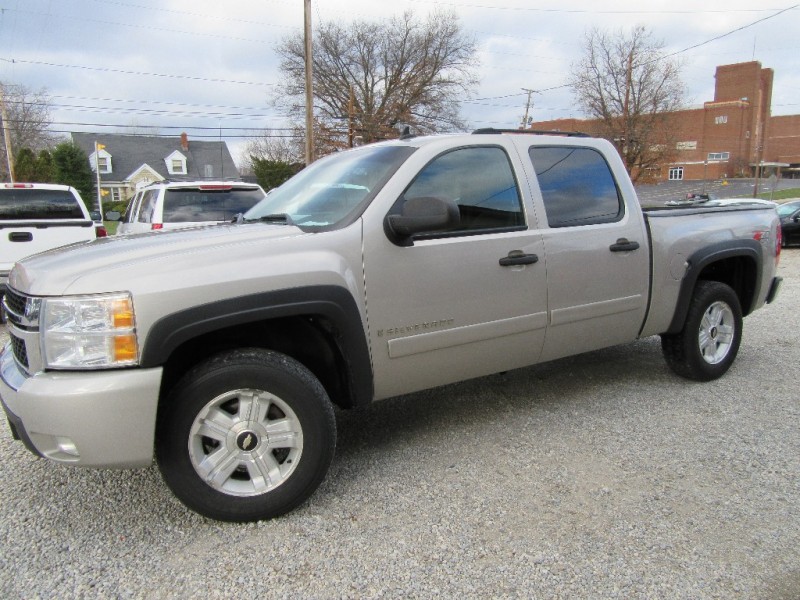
<point>750,249</point>
<point>334,303</point>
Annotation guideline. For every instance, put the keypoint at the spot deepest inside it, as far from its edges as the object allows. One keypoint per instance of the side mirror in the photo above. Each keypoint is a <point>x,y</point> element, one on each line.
<point>112,215</point>
<point>419,215</point>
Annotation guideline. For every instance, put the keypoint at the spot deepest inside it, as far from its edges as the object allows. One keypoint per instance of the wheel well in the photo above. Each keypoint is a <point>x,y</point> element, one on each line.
<point>739,273</point>
<point>737,267</point>
<point>311,340</point>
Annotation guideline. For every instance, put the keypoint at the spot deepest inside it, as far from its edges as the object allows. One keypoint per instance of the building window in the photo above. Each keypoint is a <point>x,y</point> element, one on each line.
<point>721,120</point>
<point>676,174</point>
<point>176,163</point>
<point>100,162</point>
<point>719,155</point>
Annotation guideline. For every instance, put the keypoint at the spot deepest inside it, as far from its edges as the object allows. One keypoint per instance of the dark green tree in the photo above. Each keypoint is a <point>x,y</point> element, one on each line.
<point>25,166</point>
<point>45,167</point>
<point>272,173</point>
<point>35,169</point>
<point>72,168</point>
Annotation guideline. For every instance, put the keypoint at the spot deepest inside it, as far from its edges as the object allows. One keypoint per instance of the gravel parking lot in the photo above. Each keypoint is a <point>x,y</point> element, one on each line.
<point>600,476</point>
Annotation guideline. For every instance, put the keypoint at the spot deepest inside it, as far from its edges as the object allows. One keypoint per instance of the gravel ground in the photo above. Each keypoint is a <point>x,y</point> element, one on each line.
<point>600,476</point>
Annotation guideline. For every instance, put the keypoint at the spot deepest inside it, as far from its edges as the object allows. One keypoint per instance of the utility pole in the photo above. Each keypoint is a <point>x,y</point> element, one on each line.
<point>626,106</point>
<point>528,105</point>
<point>309,86</point>
<point>759,142</point>
<point>97,147</point>
<point>6,135</point>
<point>350,114</point>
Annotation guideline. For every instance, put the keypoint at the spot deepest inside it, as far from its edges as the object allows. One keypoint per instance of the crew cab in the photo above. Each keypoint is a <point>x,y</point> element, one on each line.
<point>391,268</point>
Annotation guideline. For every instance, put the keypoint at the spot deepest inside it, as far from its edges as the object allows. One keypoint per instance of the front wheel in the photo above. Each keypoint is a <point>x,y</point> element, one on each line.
<point>707,346</point>
<point>245,436</point>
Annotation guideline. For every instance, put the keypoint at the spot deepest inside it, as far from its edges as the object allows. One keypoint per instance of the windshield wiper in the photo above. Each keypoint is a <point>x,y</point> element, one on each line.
<point>281,218</point>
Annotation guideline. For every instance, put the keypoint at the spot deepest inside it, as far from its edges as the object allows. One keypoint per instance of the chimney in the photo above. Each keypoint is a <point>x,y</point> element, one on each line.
<point>184,141</point>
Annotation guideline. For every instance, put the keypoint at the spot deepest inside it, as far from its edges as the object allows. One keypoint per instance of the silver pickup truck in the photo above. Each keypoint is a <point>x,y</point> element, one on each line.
<point>376,272</point>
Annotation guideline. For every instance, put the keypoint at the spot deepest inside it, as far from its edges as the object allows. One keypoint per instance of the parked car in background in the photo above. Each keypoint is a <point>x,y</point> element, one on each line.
<point>789,212</point>
<point>172,204</point>
<point>99,227</point>
<point>35,217</point>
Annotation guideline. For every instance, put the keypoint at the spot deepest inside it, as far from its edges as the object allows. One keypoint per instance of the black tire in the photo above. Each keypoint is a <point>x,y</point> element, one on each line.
<point>260,415</point>
<point>707,346</point>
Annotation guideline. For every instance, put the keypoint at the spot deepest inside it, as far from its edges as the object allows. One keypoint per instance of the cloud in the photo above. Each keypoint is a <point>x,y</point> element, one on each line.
<point>222,61</point>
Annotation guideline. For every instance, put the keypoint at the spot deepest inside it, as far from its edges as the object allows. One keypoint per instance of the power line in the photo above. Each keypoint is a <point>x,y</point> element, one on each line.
<point>589,11</point>
<point>193,127</point>
<point>151,27</point>
<point>211,136</point>
<point>139,73</point>
<point>719,37</point>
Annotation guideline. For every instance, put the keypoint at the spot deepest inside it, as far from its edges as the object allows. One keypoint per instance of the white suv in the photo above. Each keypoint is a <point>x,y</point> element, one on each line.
<point>170,205</point>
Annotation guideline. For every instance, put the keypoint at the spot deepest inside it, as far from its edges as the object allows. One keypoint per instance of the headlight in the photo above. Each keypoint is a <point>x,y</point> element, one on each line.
<point>89,332</point>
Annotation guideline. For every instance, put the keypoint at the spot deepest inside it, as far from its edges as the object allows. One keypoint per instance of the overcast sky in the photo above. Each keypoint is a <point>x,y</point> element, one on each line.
<point>208,68</point>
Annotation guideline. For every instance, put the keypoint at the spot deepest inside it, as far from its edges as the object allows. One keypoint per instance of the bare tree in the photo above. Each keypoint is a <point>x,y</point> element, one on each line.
<point>28,121</point>
<point>372,77</point>
<point>276,145</point>
<point>631,89</point>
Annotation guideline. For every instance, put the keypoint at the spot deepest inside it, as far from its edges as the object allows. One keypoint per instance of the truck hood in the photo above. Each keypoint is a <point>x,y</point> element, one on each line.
<point>63,266</point>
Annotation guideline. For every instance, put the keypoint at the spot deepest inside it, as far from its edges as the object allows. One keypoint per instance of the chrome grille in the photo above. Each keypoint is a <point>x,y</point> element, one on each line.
<point>19,349</point>
<point>15,303</point>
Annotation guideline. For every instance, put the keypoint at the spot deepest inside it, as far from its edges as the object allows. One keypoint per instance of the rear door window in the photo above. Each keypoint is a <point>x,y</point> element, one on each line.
<point>35,204</point>
<point>577,186</point>
<point>190,205</point>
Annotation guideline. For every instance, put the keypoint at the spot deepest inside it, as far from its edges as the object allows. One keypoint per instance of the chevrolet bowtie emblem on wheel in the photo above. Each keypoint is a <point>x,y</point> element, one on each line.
<point>246,441</point>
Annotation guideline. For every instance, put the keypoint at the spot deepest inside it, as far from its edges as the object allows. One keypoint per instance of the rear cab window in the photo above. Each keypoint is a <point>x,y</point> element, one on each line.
<point>37,204</point>
<point>577,186</point>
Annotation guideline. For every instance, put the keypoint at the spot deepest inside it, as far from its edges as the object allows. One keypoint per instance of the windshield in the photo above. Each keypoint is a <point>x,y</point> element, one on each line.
<point>785,210</point>
<point>333,191</point>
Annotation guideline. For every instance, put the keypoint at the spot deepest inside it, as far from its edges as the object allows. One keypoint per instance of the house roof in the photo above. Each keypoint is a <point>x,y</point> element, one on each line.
<point>130,152</point>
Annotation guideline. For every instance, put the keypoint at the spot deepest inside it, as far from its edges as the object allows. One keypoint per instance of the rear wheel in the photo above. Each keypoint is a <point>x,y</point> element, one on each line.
<point>707,346</point>
<point>246,435</point>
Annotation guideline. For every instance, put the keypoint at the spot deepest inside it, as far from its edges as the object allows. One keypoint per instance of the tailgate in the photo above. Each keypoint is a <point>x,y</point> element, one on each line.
<point>19,240</point>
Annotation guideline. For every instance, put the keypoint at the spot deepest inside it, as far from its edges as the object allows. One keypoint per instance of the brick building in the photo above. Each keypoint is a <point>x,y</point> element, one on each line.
<point>729,136</point>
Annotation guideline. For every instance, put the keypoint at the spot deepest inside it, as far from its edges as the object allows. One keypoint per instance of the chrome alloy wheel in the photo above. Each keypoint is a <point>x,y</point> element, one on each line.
<point>245,442</point>
<point>716,335</point>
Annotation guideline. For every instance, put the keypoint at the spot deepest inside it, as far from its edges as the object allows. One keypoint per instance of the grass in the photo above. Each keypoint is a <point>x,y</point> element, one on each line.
<point>111,226</point>
<point>779,195</point>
